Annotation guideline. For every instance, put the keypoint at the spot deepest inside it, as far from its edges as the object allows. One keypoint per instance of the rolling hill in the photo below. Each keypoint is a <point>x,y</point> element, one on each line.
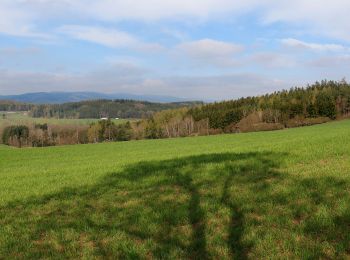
<point>265,195</point>
<point>65,97</point>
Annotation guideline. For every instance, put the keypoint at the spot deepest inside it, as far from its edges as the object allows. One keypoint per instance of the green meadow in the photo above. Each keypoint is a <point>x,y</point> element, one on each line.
<point>266,195</point>
<point>22,118</point>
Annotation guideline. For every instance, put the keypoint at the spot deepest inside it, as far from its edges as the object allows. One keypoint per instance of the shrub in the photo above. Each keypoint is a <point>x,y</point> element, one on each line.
<point>15,134</point>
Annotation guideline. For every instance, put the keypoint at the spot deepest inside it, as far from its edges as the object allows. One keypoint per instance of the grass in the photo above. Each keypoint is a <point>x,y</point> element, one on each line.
<point>266,195</point>
<point>19,118</point>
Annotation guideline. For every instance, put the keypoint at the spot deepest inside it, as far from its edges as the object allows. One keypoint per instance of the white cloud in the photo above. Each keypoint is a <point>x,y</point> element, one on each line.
<point>124,78</point>
<point>314,16</point>
<point>108,37</point>
<point>219,87</point>
<point>335,61</point>
<point>106,79</point>
<point>18,21</point>
<point>152,10</point>
<point>290,42</point>
<point>209,48</point>
<point>15,51</point>
<point>118,10</point>
<point>327,18</point>
<point>210,52</point>
<point>176,34</point>
<point>72,18</point>
<point>272,60</point>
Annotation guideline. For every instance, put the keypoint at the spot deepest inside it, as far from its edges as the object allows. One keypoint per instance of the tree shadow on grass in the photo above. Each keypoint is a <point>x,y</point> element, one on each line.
<point>194,207</point>
<point>236,228</point>
<point>150,209</point>
<point>324,217</point>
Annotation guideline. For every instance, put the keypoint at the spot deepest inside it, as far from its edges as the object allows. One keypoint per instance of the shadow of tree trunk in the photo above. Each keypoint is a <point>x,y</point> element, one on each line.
<point>236,228</point>
<point>138,212</point>
<point>196,217</point>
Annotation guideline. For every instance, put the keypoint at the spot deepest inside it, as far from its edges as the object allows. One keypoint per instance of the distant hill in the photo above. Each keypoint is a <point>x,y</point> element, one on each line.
<point>120,108</point>
<point>65,97</point>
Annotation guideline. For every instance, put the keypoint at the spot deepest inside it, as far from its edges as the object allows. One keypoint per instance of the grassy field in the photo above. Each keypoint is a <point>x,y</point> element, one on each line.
<point>266,195</point>
<point>19,118</point>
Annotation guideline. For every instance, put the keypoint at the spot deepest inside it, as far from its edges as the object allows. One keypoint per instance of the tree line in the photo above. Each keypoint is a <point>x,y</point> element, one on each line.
<point>317,103</point>
<point>94,108</point>
<point>13,106</point>
<point>299,106</point>
<point>322,99</point>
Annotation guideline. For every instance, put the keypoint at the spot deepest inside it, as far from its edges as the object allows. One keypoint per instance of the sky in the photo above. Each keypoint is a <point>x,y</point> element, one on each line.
<point>194,49</point>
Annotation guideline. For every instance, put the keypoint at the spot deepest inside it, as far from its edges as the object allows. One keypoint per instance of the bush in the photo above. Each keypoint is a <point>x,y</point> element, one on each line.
<point>15,135</point>
<point>300,121</point>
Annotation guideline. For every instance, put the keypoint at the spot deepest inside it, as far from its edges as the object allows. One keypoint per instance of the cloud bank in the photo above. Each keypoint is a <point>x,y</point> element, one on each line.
<point>212,49</point>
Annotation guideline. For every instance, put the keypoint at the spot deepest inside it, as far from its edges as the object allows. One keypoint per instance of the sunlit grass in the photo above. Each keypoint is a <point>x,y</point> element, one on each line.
<point>283,194</point>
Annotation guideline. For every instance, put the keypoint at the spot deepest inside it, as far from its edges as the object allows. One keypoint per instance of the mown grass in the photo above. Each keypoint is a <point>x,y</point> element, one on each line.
<point>23,118</point>
<point>282,194</point>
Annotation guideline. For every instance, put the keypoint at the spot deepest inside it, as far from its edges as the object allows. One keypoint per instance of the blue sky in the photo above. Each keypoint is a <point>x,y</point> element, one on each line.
<point>199,49</point>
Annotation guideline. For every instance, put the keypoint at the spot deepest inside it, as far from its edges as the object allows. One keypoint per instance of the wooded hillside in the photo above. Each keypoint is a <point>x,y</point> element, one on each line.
<point>322,99</point>
<point>94,108</point>
<point>319,103</point>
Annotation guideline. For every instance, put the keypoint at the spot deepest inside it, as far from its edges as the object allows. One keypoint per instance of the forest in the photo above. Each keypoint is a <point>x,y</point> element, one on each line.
<point>300,106</point>
<point>94,108</point>
<point>13,106</point>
